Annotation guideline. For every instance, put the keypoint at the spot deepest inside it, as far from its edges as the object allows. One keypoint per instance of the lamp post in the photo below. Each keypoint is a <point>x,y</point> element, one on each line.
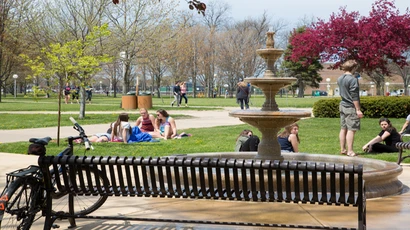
<point>15,76</point>
<point>123,55</point>
<point>214,90</point>
<point>110,87</point>
<point>328,86</point>
<point>387,88</point>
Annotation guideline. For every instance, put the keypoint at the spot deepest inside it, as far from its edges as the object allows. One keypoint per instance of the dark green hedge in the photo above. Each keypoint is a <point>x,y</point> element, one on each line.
<point>372,107</point>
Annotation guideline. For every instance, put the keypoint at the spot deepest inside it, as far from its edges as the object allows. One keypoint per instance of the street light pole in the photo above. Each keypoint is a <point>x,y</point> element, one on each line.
<point>387,89</point>
<point>328,86</point>
<point>123,55</point>
<point>15,76</point>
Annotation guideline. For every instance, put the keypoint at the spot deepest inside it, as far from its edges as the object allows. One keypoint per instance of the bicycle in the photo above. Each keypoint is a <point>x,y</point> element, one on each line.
<point>24,195</point>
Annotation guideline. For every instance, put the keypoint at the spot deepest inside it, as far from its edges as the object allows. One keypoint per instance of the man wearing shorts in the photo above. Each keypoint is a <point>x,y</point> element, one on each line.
<point>349,107</point>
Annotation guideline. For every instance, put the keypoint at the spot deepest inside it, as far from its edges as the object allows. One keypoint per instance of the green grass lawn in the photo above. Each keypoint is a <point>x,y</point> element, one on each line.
<point>103,103</point>
<point>318,135</point>
<point>14,121</point>
<point>315,138</point>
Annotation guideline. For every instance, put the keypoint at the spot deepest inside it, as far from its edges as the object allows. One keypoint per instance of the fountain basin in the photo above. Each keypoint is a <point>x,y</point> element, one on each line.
<point>269,124</point>
<point>381,177</point>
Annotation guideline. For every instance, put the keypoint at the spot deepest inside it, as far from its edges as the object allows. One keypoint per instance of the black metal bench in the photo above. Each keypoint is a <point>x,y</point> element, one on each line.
<point>402,146</point>
<point>205,178</point>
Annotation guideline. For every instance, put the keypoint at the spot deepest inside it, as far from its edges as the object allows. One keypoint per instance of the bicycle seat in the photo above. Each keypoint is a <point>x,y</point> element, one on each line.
<point>41,141</point>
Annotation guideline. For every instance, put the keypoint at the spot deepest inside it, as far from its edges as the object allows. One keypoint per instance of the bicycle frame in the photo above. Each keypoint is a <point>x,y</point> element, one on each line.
<point>33,173</point>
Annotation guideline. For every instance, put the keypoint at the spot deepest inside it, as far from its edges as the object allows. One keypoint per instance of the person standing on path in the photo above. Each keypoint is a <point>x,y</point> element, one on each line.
<point>349,107</point>
<point>183,93</point>
<point>177,93</point>
<point>75,93</point>
<point>67,90</point>
<point>89,93</point>
<point>242,94</point>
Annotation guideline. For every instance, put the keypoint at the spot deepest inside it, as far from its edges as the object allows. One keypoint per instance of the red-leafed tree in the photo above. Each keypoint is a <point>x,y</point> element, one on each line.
<point>373,41</point>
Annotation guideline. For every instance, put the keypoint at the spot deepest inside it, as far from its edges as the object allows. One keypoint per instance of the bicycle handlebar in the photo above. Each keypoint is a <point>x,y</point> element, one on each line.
<point>80,129</point>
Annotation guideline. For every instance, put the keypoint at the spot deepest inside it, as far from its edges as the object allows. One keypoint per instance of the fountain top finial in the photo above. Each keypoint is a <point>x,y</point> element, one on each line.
<point>270,42</point>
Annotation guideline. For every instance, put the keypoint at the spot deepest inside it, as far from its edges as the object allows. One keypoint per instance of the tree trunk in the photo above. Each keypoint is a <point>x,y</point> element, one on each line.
<point>301,92</point>
<point>81,115</point>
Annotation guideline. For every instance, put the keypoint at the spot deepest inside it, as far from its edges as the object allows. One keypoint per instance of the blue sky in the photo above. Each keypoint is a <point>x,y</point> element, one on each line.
<point>292,11</point>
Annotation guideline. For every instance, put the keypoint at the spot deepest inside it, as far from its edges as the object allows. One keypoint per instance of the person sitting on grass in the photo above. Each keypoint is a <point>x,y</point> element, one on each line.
<point>246,141</point>
<point>405,129</point>
<point>101,137</point>
<point>146,123</point>
<point>165,125</point>
<point>121,129</point>
<point>388,134</point>
<point>289,138</point>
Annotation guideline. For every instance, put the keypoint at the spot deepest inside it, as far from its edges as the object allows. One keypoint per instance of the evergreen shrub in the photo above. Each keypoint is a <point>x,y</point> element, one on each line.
<point>372,107</point>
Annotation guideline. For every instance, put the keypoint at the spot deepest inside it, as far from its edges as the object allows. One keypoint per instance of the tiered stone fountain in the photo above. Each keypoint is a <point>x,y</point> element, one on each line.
<point>269,120</point>
<point>381,178</point>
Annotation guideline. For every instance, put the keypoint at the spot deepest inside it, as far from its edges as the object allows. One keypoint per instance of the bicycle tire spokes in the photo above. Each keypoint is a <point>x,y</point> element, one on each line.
<point>21,207</point>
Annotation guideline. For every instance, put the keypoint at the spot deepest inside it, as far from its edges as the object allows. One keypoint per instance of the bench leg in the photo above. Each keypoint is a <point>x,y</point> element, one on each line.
<point>48,223</point>
<point>71,220</point>
<point>400,156</point>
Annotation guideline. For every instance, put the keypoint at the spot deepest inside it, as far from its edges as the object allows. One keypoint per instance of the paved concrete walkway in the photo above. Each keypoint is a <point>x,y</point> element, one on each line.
<point>383,213</point>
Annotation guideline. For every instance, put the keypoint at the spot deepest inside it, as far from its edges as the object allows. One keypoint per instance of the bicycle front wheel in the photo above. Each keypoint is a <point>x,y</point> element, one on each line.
<point>83,205</point>
<point>20,209</point>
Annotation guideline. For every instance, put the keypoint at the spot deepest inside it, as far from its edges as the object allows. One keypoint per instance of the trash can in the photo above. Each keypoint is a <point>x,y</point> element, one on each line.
<point>129,102</point>
<point>145,100</point>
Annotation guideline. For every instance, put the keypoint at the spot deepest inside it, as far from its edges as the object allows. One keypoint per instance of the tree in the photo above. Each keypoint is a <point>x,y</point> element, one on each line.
<point>236,46</point>
<point>215,18</point>
<point>372,41</point>
<point>306,74</point>
<point>70,60</point>
<point>11,42</point>
<point>137,27</point>
<point>403,72</point>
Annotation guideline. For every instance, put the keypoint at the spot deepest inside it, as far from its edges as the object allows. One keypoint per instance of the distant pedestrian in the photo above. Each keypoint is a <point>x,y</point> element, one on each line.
<point>67,90</point>
<point>89,94</point>
<point>74,93</point>
<point>184,90</point>
<point>176,90</point>
<point>226,93</point>
<point>242,94</point>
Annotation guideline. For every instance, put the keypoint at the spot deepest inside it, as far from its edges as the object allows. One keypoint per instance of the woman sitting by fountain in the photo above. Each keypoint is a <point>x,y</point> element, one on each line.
<point>246,141</point>
<point>289,138</point>
<point>389,135</point>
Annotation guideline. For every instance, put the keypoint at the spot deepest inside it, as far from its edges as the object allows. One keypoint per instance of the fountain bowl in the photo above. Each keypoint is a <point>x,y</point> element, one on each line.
<point>381,177</point>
